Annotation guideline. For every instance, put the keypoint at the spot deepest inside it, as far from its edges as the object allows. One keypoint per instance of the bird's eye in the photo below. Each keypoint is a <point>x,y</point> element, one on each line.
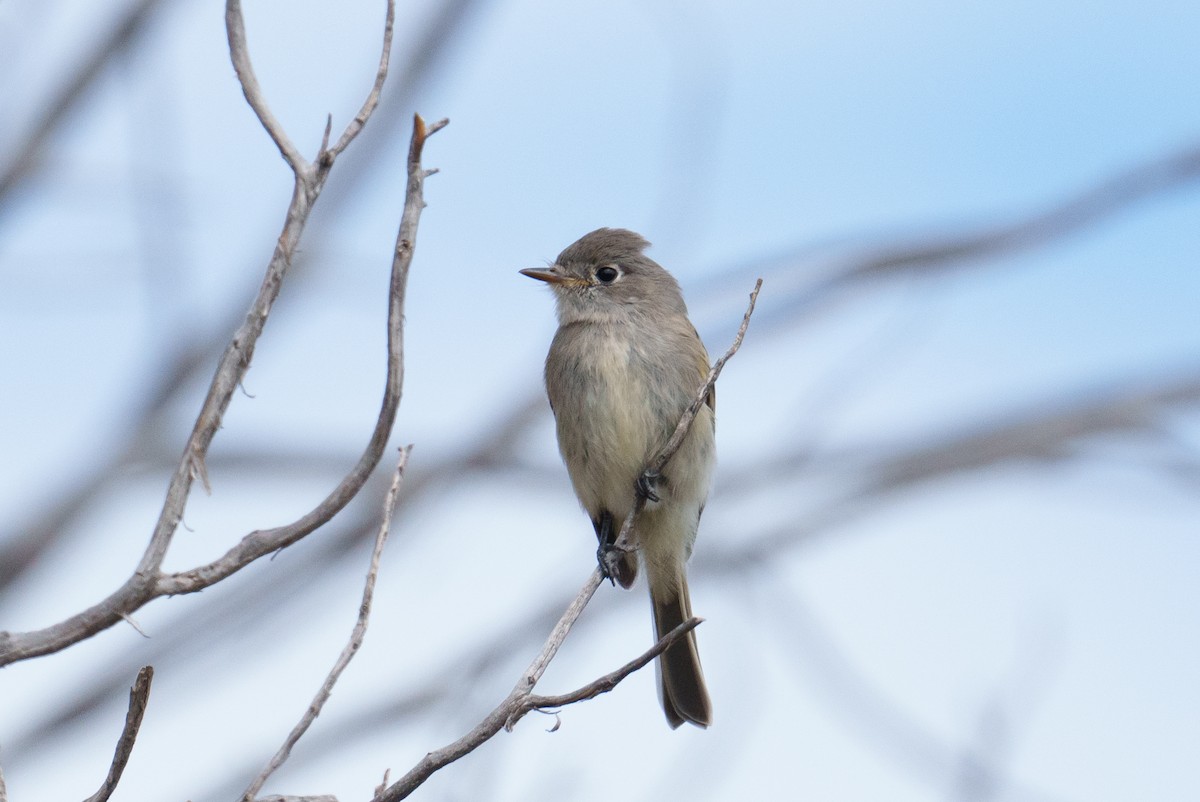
<point>607,274</point>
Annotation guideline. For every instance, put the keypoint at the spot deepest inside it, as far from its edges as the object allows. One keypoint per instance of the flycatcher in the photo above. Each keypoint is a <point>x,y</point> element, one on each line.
<point>624,365</point>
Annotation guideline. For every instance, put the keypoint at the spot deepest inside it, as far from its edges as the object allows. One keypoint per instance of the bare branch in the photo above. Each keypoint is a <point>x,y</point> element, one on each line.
<point>238,603</point>
<point>447,21</point>
<point>520,701</point>
<point>259,543</point>
<point>356,638</point>
<point>18,552</point>
<point>661,457</point>
<point>602,684</point>
<point>368,106</point>
<point>498,718</point>
<point>139,694</point>
<point>235,29</point>
<point>264,541</point>
<point>664,454</point>
<point>147,582</point>
<point>559,634</point>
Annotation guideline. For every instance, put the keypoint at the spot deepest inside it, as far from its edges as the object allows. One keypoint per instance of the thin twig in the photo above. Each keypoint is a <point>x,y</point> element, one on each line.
<point>559,634</point>
<point>656,463</point>
<point>368,106</point>
<point>239,54</point>
<point>352,647</point>
<point>504,713</point>
<point>139,694</point>
<point>496,720</point>
<point>602,684</point>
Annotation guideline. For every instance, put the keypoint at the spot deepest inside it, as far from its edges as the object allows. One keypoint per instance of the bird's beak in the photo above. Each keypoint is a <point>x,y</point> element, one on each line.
<point>551,275</point>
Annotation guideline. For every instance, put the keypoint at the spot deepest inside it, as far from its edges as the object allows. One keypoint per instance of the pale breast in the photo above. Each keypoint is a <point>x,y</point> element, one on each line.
<point>616,399</point>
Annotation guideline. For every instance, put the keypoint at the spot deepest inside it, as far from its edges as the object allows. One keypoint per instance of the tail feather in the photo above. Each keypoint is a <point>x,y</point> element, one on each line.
<point>681,680</point>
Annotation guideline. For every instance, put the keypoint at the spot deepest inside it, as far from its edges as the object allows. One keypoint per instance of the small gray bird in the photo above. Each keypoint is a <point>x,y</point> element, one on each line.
<point>624,365</point>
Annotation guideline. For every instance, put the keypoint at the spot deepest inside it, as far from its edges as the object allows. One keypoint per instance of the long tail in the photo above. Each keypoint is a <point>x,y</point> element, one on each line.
<point>681,680</point>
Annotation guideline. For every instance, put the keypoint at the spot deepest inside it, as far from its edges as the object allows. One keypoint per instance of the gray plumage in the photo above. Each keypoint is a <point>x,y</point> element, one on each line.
<point>624,365</point>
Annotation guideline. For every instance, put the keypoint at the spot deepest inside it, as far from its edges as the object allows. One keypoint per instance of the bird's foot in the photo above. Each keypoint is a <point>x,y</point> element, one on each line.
<point>608,557</point>
<point>647,484</point>
<point>616,564</point>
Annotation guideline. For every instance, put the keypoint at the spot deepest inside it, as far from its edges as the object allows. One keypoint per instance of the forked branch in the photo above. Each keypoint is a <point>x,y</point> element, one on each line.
<point>148,581</point>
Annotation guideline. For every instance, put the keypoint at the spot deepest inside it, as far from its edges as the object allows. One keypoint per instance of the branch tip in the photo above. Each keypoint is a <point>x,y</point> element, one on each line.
<point>139,695</point>
<point>239,54</point>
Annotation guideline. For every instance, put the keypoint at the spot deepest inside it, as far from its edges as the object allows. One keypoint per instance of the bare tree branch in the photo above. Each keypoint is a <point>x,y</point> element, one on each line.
<point>139,694</point>
<point>148,582</point>
<point>494,721</point>
<point>447,20</point>
<point>483,658</point>
<point>602,684</point>
<point>656,463</point>
<point>264,541</point>
<point>368,106</point>
<point>239,53</point>
<point>19,551</point>
<point>516,705</point>
<point>664,454</point>
<point>356,638</point>
<point>41,533</point>
<point>242,605</point>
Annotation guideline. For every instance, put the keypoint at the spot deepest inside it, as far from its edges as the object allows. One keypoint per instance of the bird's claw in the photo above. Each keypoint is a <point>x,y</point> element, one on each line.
<point>608,557</point>
<point>646,485</point>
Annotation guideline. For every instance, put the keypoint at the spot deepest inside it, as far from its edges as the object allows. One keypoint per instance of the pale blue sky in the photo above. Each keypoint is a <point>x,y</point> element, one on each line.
<point>1064,593</point>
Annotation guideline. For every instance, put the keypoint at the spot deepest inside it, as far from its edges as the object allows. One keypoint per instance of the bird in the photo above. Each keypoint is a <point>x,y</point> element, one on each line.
<point>624,364</point>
